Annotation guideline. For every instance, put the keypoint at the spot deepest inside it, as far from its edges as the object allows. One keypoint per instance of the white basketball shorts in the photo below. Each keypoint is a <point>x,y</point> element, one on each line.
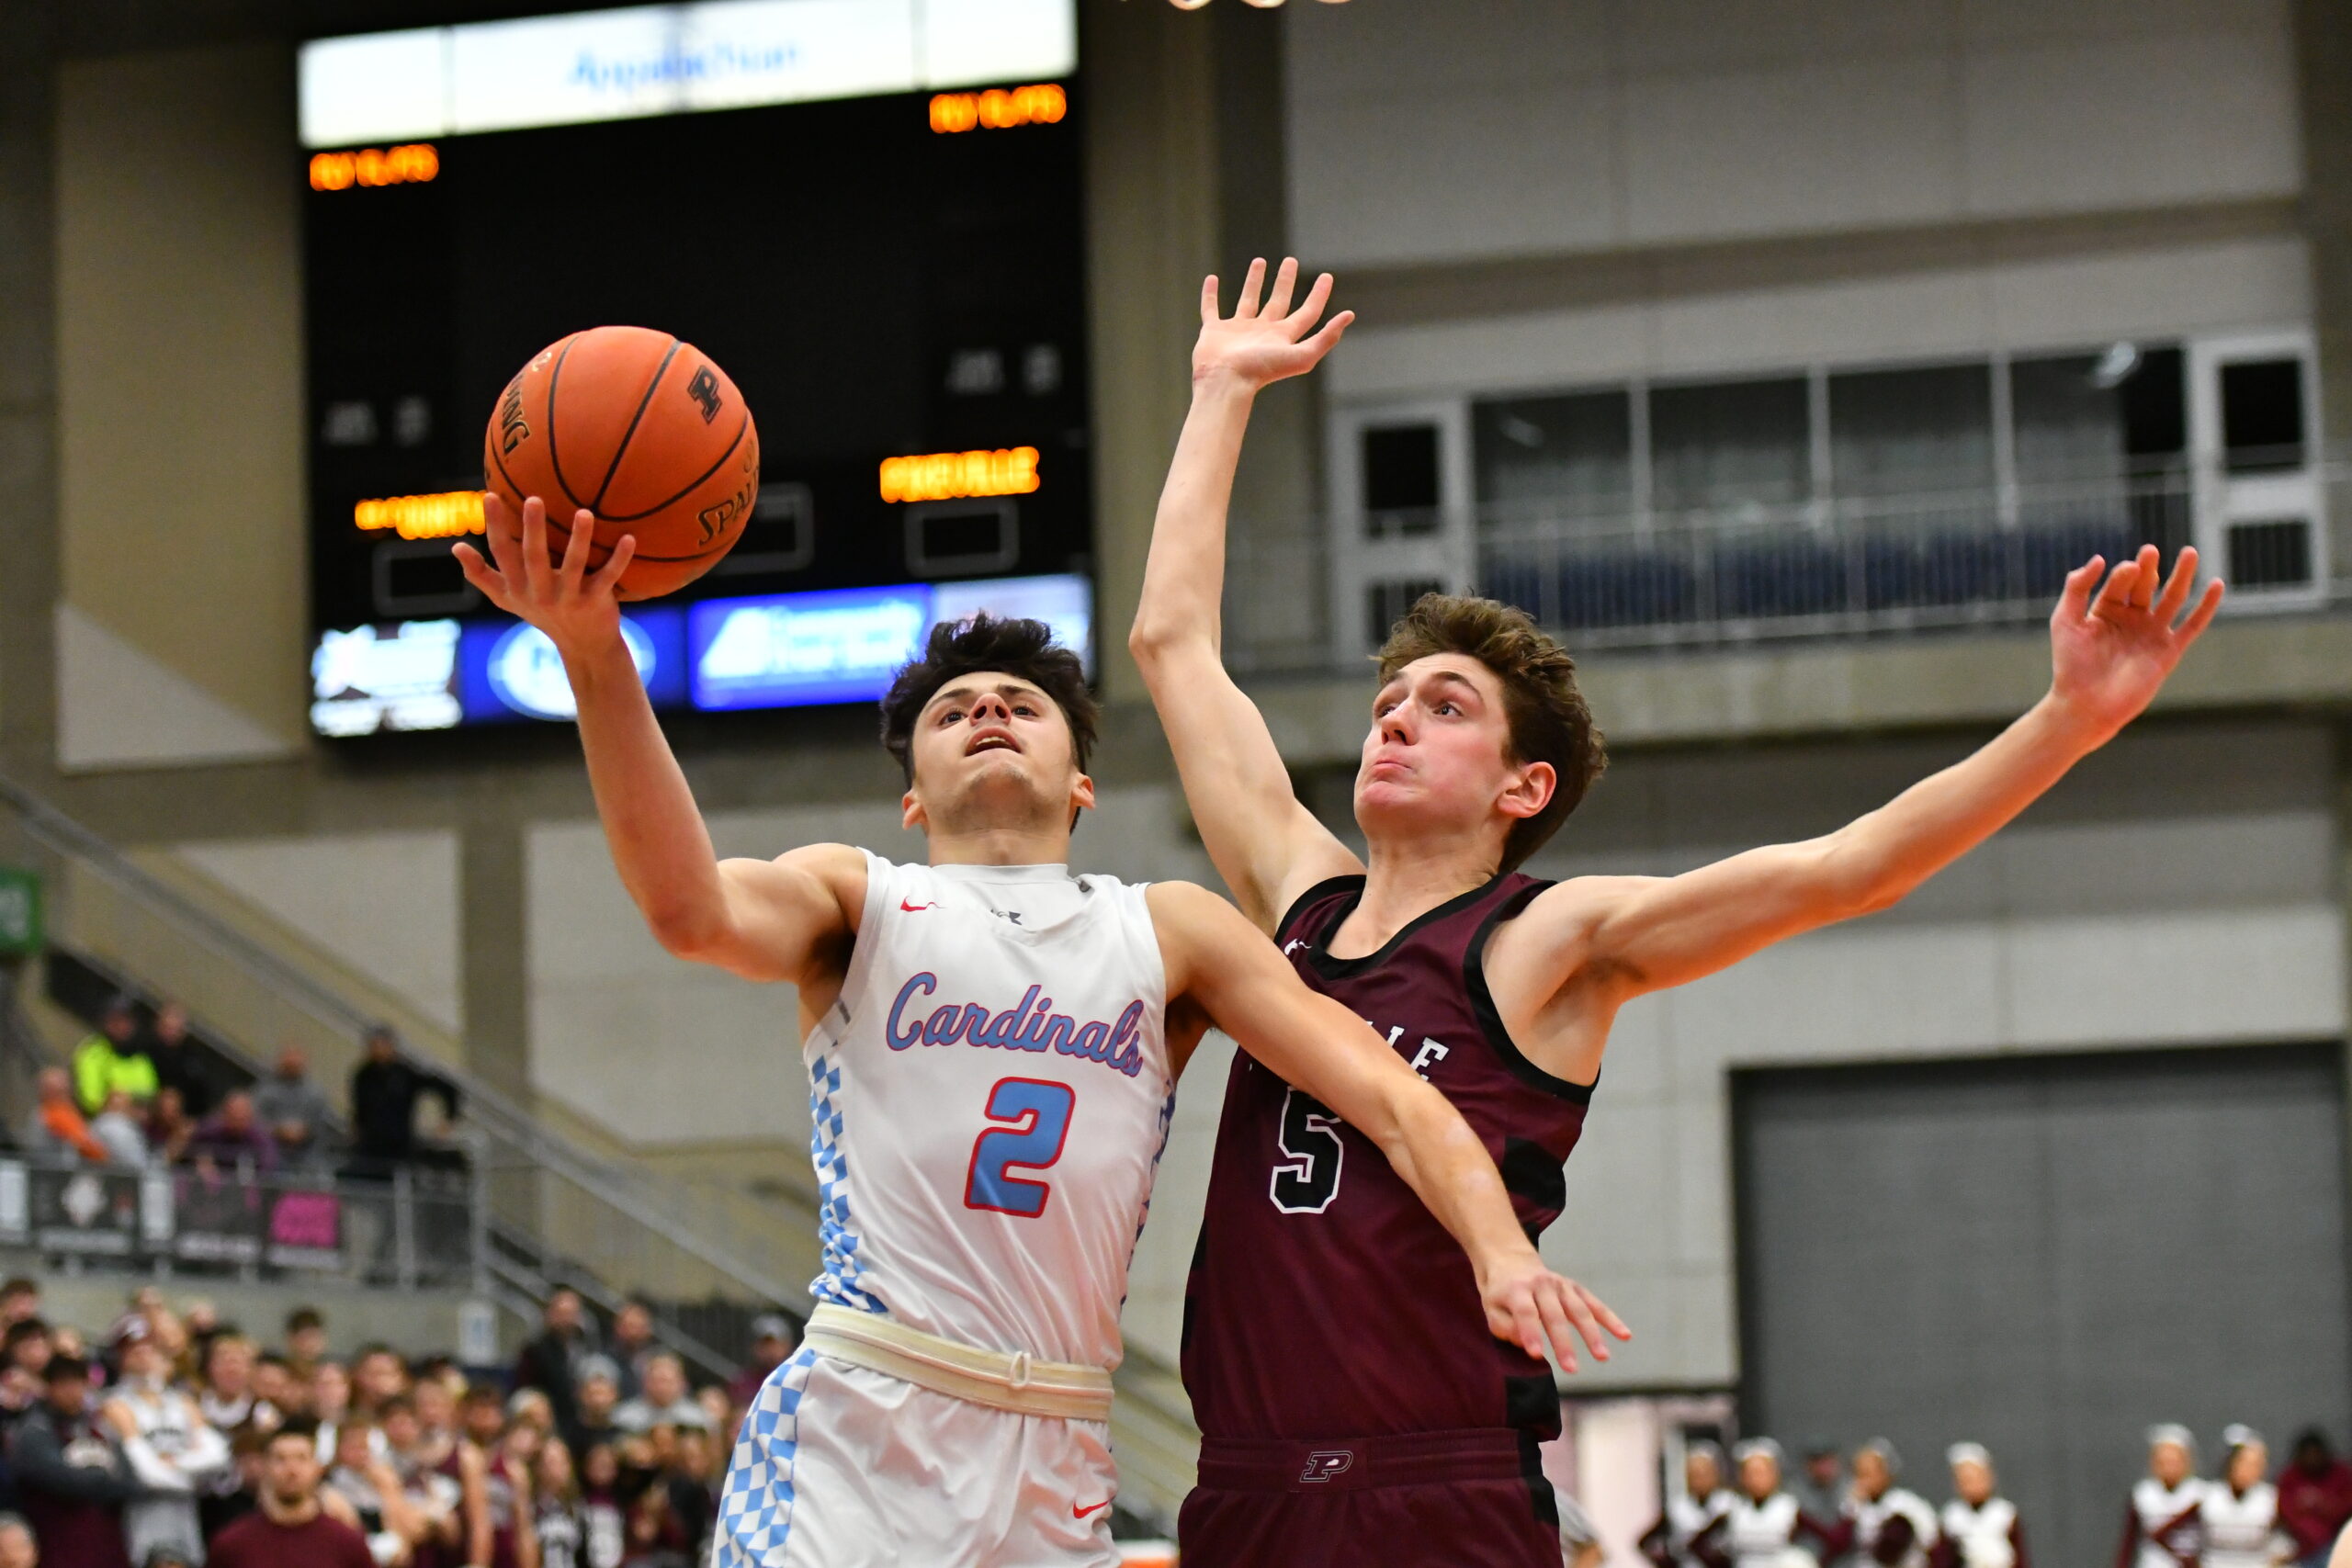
<point>840,1467</point>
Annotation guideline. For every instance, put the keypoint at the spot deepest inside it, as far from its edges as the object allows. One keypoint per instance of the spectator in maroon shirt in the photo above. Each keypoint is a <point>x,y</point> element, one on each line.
<point>72,1473</point>
<point>2314,1496</point>
<point>233,1136</point>
<point>293,1527</point>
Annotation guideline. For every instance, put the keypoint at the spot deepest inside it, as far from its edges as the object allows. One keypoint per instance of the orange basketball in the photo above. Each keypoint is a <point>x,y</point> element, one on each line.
<point>642,430</point>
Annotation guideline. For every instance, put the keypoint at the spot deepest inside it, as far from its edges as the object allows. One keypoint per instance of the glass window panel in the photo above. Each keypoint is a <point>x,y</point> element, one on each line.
<point>2262,416</point>
<point>1925,430</point>
<point>2086,417</point>
<point>1730,446</point>
<point>1553,458</point>
<point>1400,479</point>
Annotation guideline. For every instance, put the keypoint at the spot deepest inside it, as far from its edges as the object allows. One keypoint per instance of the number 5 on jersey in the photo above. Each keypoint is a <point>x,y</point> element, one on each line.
<point>1307,1177</point>
<point>1039,1114</point>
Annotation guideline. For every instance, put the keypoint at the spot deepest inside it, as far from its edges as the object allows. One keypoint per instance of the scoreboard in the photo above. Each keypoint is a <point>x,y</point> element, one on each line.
<point>867,210</point>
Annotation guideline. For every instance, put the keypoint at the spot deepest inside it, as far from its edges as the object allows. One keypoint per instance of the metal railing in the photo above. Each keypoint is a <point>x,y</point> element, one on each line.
<point>1602,576</point>
<point>542,1209</point>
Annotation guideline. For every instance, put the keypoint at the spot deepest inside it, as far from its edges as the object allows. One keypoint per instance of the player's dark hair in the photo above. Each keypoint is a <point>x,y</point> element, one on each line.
<point>1021,647</point>
<point>1549,721</point>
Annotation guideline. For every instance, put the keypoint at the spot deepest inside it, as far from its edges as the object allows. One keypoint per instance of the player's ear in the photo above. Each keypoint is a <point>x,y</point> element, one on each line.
<point>1082,793</point>
<point>1531,792</point>
<point>910,813</point>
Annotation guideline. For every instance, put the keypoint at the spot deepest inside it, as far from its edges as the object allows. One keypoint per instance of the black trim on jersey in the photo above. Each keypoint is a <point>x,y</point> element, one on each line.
<point>1323,889</point>
<point>1320,956</point>
<point>1490,1018</point>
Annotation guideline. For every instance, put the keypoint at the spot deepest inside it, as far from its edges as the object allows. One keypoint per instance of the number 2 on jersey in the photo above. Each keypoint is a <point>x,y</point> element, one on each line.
<point>1040,1112</point>
<point>1308,1179</point>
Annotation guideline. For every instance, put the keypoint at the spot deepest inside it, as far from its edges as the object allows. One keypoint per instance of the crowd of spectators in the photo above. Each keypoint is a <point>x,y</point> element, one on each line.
<point>146,1096</point>
<point>172,1438</point>
<point>1841,1508</point>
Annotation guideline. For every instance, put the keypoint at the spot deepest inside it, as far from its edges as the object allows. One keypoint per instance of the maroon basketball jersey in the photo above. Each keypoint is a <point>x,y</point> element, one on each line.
<point>1326,1300</point>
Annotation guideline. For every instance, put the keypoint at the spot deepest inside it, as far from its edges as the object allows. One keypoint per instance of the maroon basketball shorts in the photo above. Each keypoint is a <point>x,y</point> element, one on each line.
<point>1475,1499</point>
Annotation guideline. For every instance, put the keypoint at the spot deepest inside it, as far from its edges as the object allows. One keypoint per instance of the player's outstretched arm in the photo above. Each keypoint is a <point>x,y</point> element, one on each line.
<point>762,920</point>
<point>2110,655</point>
<point>1266,845</point>
<point>1234,974</point>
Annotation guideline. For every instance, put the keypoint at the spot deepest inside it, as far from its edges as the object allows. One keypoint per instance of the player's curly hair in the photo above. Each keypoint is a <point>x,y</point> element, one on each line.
<point>1016,647</point>
<point>1547,714</point>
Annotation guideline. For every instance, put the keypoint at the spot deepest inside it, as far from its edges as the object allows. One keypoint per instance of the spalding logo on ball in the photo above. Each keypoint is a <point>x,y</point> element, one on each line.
<point>642,430</point>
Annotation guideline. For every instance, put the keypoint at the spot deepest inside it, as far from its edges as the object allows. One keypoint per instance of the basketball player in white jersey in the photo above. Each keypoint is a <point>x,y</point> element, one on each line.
<point>1980,1526</point>
<point>2161,1526</point>
<point>1765,1524</point>
<point>1692,1516</point>
<point>1884,1523</point>
<point>992,1046</point>
<point>2240,1510</point>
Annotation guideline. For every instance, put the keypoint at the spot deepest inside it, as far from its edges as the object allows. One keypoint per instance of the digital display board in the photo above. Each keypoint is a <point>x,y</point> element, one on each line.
<point>868,211</point>
<point>776,650</point>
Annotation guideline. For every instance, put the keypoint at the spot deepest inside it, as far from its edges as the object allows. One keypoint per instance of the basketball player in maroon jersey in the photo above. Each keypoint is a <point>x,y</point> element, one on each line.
<point>1353,1407</point>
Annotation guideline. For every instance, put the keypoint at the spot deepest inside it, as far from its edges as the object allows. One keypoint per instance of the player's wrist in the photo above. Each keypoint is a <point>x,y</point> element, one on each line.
<point>1219,383</point>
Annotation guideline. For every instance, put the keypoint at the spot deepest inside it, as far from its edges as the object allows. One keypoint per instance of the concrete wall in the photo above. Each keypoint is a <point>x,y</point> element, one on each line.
<point>1429,132</point>
<point>181,626</point>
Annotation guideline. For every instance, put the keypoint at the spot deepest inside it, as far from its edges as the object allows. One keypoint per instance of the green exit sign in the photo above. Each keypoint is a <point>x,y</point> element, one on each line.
<point>19,912</point>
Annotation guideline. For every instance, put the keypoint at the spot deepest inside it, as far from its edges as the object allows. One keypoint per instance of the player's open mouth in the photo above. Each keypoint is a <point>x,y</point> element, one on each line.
<point>991,740</point>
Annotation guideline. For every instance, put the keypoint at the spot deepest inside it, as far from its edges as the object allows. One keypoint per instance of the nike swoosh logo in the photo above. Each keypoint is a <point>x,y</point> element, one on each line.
<point>1078,1513</point>
<point>915,908</point>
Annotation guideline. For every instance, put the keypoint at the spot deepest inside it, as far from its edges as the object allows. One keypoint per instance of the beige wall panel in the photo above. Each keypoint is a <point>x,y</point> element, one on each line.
<point>180,377</point>
<point>1965,309</point>
<point>1448,133</point>
<point>384,904</point>
<point>119,706</point>
<point>2132,123</point>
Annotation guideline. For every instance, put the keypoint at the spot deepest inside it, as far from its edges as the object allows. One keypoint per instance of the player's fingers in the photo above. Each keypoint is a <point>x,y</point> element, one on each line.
<point>1527,1325</point>
<point>2073,600</point>
<point>1310,309</point>
<point>535,546</point>
<point>2176,586</point>
<point>505,547</point>
<point>1322,343</point>
<point>1252,282</point>
<point>1286,283</point>
<point>2202,617</point>
<point>609,576</point>
<point>2116,596</point>
<point>2143,586</point>
<point>1563,1327</point>
<point>1609,1319</point>
<point>576,549</point>
<point>1208,299</point>
<point>479,572</point>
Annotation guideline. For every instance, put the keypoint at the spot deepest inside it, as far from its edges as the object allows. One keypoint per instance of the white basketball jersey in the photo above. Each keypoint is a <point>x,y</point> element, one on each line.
<point>2242,1528</point>
<point>1984,1536</point>
<point>991,1095</point>
<point>2156,1505</point>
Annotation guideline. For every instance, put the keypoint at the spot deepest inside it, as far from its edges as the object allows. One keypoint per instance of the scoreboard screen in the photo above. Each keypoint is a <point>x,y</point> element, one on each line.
<point>866,210</point>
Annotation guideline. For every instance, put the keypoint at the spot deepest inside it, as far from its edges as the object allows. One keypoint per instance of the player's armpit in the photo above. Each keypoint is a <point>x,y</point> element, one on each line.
<point>784,919</point>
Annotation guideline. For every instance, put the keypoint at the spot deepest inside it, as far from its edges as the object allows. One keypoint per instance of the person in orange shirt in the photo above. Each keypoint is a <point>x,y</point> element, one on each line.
<point>59,1124</point>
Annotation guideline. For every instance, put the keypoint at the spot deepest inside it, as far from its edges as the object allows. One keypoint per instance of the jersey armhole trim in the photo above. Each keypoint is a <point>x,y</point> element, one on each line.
<point>1490,1018</point>
<point>869,938</point>
<point>1353,881</point>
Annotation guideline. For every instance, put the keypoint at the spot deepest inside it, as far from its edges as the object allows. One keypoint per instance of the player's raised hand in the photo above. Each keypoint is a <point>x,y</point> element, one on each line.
<point>1529,1304</point>
<point>576,608</point>
<point>2110,654</point>
<point>1259,344</point>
